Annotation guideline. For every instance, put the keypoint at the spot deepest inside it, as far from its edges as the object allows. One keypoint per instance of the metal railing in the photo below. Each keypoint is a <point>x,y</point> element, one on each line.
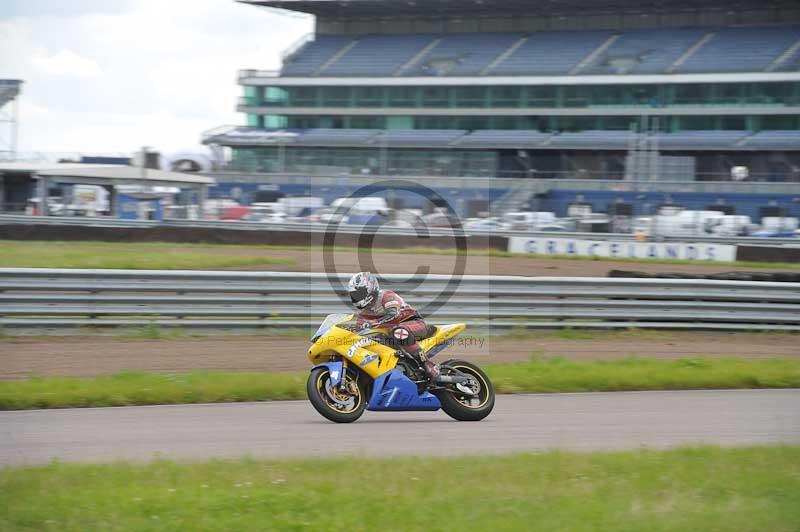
<point>251,74</point>
<point>42,298</point>
<point>328,176</point>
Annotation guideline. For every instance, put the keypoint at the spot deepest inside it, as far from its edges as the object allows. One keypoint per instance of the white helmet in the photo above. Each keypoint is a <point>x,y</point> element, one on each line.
<point>363,289</point>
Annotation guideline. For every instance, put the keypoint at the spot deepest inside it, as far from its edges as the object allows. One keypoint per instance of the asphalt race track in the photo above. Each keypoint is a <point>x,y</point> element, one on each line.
<point>621,420</point>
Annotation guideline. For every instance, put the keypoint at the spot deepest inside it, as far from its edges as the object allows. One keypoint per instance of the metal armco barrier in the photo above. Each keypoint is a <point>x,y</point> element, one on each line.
<point>37,298</point>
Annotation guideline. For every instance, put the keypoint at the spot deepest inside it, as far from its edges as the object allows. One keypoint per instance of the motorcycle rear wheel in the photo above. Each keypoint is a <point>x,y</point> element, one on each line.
<point>463,407</point>
<point>333,404</point>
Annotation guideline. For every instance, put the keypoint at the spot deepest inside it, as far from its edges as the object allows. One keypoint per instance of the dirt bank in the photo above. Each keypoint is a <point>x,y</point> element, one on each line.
<point>86,356</point>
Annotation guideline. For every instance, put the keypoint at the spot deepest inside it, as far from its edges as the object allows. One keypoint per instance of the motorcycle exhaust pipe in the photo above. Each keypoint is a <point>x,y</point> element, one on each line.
<point>451,379</point>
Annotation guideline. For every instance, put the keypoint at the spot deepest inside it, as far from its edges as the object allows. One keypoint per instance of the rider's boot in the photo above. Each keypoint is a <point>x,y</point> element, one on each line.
<point>431,369</point>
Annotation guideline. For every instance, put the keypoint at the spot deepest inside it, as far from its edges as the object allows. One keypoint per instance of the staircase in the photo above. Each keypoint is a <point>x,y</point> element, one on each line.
<point>514,199</point>
<point>335,57</point>
<point>505,55</point>
<point>589,59</point>
<point>418,57</point>
<point>690,52</point>
<point>785,56</point>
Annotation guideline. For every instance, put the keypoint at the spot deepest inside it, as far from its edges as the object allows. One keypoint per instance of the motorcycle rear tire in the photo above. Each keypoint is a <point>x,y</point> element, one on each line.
<point>454,408</point>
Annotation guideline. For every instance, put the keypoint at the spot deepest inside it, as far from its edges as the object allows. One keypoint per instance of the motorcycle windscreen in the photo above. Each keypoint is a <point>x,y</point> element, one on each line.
<point>328,323</point>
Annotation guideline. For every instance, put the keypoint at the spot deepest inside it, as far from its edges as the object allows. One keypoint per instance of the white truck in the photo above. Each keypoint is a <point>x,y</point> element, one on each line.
<point>683,223</point>
<point>528,221</point>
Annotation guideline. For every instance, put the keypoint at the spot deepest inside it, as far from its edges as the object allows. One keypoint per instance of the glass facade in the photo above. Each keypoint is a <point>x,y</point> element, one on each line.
<point>557,96</point>
<point>530,108</point>
<point>366,160</point>
<point>531,123</point>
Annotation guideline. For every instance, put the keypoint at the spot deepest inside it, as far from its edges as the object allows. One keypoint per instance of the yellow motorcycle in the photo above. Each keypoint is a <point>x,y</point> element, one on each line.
<point>356,370</point>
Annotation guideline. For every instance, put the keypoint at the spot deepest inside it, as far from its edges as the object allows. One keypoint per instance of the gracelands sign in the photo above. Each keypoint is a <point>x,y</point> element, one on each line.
<point>623,249</point>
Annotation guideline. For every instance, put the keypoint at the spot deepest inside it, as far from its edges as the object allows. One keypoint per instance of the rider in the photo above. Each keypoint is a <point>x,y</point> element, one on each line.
<point>384,308</point>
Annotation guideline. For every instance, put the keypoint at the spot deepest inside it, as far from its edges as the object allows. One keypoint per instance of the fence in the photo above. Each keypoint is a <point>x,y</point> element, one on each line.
<point>41,298</point>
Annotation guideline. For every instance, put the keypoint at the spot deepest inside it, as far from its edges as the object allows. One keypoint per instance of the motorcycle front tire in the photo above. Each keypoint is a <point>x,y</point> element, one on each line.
<point>321,404</point>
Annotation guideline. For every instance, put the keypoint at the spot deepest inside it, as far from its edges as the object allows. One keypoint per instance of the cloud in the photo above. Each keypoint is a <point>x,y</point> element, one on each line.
<point>67,63</point>
<point>29,8</point>
<point>147,72</point>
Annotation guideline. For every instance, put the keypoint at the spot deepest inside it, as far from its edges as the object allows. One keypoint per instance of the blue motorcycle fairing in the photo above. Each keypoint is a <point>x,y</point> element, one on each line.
<point>335,369</point>
<point>394,391</point>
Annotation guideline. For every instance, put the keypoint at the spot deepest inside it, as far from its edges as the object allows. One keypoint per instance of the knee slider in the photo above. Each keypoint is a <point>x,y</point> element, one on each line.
<point>403,336</point>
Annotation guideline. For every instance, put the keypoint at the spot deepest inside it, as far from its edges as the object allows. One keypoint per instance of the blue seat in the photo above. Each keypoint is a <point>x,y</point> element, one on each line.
<point>378,55</point>
<point>551,53</point>
<point>741,50</point>
<point>314,54</point>
<point>463,54</point>
<point>644,51</point>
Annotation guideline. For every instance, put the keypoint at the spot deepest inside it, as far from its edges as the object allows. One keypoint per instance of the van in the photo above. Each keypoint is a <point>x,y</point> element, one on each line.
<point>528,221</point>
<point>686,223</point>
<point>367,205</point>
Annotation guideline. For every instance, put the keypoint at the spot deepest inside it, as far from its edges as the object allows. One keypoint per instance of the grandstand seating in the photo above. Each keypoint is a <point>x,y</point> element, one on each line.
<point>599,140</point>
<point>551,53</point>
<point>741,50</point>
<point>521,139</point>
<point>791,64</point>
<point>774,140</point>
<point>751,49</point>
<point>336,137</point>
<point>378,55</point>
<point>464,54</point>
<point>700,140</point>
<point>504,139</point>
<point>420,137</point>
<point>644,52</point>
<point>314,54</point>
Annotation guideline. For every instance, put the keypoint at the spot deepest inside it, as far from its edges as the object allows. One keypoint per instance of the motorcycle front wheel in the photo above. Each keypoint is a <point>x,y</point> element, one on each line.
<point>333,403</point>
<point>463,406</point>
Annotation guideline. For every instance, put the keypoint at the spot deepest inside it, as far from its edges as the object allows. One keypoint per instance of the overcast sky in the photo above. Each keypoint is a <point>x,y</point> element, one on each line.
<point>114,75</point>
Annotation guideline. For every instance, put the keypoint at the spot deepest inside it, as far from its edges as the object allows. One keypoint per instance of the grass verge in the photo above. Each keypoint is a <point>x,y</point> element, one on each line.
<point>171,256</point>
<point>693,488</point>
<point>536,375</point>
<point>132,256</point>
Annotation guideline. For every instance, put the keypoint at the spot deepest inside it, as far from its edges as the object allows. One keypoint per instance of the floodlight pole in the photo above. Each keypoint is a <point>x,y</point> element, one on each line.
<point>14,127</point>
<point>144,164</point>
<point>9,119</point>
<point>43,210</point>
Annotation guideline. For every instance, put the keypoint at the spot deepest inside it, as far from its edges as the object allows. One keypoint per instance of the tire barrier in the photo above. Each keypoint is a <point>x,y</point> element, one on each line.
<point>768,253</point>
<point>261,236</point>
<point>765,277</point>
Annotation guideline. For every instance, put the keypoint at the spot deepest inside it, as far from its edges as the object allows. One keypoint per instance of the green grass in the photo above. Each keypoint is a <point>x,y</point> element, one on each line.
<point>561,375</point>
<point>133,256</point>
<point>168,256</point>
<point>138,388</point>
<point>569,333</point>
<point>751,489</point>
<point>536,375</point>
